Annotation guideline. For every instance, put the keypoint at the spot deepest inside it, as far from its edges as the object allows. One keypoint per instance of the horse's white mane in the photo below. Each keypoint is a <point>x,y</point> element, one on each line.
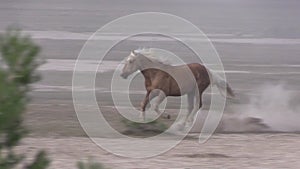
<point>151,54</point>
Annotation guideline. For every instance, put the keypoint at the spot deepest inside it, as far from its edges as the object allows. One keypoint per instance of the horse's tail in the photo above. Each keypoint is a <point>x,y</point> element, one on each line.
<point>222,85</point>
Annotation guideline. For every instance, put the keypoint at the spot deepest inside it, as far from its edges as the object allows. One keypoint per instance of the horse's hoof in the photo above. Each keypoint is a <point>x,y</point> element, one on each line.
<point>178,127</point>
<point>167,116</point>
<point>188,126</point>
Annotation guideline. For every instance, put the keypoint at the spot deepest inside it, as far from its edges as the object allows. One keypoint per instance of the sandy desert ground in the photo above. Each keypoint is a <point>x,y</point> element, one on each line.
<point>221,151</point>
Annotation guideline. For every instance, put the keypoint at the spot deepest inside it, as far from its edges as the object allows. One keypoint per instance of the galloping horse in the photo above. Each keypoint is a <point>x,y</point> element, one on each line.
<point>191,79</point>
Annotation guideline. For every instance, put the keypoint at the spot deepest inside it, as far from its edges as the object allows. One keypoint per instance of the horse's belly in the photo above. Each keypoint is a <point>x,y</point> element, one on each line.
<point>181,88</point>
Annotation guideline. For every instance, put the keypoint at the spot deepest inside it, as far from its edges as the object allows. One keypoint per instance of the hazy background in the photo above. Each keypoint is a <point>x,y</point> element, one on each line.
<point>258,42</point>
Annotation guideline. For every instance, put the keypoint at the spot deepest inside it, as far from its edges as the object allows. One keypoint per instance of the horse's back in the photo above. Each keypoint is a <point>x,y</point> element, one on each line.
<point>185,78</point>
<point>198,70</point>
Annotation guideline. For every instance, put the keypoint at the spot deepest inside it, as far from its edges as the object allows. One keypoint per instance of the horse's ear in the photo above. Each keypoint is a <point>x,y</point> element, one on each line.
<point>133,52</point>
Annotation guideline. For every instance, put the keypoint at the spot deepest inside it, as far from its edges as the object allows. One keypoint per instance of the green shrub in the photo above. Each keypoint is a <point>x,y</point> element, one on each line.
<point>18,63</point>
<point>89,165</point>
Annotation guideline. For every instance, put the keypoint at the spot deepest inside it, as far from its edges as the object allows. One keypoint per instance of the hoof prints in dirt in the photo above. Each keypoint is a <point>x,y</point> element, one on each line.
<point>248,124</point>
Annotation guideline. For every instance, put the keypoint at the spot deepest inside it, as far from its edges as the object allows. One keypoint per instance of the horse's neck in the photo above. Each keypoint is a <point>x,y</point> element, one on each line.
<point>150,73</point>
<point>147,64</point>
<point>149,68</point>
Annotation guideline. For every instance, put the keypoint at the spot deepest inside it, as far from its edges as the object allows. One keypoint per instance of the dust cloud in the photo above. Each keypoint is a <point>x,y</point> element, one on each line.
<point>270,108</point>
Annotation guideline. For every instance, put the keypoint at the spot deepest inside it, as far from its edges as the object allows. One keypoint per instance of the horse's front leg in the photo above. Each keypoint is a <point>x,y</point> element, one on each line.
<point>160,99</point>
<point>144,104</point>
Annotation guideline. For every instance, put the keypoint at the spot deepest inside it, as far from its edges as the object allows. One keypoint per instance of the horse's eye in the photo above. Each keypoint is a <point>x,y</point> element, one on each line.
<point>130,61</point>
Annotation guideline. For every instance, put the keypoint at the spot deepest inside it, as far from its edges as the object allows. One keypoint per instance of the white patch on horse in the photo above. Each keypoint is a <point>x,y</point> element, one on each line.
<point>130,57</point>
<point>152,55</point>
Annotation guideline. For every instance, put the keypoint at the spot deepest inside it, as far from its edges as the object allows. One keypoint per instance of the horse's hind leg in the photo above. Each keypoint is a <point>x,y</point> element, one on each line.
<point>197,105</point>
<point>190,100</point>
<point>183,119</point>
<point>190,103</point>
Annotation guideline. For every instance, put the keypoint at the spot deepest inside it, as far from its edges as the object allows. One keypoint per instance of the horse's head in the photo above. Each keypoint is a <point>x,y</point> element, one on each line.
<point>131,64</point>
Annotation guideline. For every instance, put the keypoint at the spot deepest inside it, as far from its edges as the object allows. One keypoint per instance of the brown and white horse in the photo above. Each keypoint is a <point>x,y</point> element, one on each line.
<point>162,80</point>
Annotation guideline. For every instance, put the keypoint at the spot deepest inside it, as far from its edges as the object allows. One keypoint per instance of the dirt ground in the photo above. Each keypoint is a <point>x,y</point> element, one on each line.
<point>55,128</point>
<point>221,151</point>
